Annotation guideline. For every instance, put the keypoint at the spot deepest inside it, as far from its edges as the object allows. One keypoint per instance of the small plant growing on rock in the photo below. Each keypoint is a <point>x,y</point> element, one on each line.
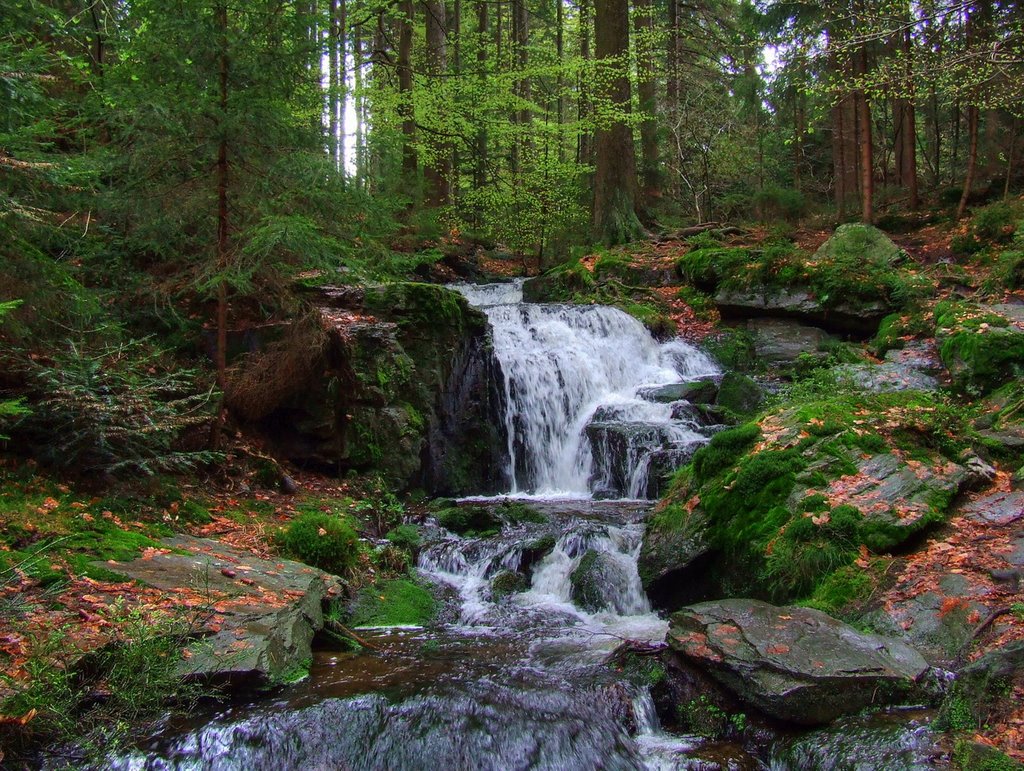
<point>322,540</point>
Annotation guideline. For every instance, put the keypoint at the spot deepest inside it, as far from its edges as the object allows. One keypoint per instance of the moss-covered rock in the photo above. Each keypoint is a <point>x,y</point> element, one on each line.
<point>393,379</point>
<point>852,282</point>
<point>469,521</point>
<point>508,582</point>
<point>608,283</point>
<point>399,602</point>
<point>739,394</point>
<point>982,346</point>
<point>795,664</point>
<point>773,509</point>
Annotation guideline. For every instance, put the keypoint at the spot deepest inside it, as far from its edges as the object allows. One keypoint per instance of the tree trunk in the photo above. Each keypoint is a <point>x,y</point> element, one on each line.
<point>647,95</point>
<point>480,156</point>
<point>972,160</point>
<point>522,116</point>
<point>357,78</point>
<point>223,223</point>
<point>334,142</point>
<point>908,169</point>
<point>437,173</point>
<point>585,146</point>
<point>616,192</point>
<point>560,81</point>
<point>405,106</point>
<point>867,171</point>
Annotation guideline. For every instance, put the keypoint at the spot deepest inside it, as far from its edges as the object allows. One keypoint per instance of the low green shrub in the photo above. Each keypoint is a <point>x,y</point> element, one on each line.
<point>323,540</point>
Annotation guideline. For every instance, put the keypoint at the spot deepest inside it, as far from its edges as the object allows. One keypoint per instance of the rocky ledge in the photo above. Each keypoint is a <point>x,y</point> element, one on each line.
<point>254,618</point>
<point>794,664</point>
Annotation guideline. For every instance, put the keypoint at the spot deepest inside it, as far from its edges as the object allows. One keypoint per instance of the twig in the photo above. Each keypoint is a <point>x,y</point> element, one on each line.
<point>339,629</point>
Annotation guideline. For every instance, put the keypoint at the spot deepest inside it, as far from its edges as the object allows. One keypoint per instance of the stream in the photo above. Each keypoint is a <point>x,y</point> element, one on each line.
<point>516,679</point>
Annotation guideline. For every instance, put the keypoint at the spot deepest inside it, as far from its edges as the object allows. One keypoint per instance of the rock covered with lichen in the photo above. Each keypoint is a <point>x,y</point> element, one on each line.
<point>393,379</point>
<point>795,664</point>
<point>794,505</point>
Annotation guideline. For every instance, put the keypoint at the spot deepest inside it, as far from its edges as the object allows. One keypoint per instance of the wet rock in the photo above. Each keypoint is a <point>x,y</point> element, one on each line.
<point>979,473</point>
<point>739,394</point>
<point>694,391</point>
<point>779,341</point>
<point>266,611</point>
<point>795,664</point>
<point>938,622</point>
<point>895,741</point>
<point>597,583</point>
<point>617,448</point>
<point>508,582</point>
<point>394,379</point>
<point>982,346</point>
<point>913,368</point>
<point>998,508</point>
<point>667,552</point>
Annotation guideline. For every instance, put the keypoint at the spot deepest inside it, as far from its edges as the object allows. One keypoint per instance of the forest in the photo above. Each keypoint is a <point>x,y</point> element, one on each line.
<point>377,375</point>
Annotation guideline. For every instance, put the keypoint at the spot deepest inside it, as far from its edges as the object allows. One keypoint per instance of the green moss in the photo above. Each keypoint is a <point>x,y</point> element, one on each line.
<point>972,756</point>
<point>405,536</point>
<point>841,589</point>
<point>469,521</point>
<point>734,349</point>
<point>508,582</point>
<point>724,450</point>
<point>400,602</point>
<point>323,540</point>
<point>586,592</point>
<point>739,394</point>
<point>707,267</point>
<point>517,513</point>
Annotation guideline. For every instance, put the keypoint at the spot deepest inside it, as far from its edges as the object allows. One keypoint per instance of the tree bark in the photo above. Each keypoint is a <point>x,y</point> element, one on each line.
<point>584,108</point>
<point>334,142</point>
<point>867,171</point>
<point>405,106</point>
<point>223,222</point>
<point>647,95</point>
<point>972,160</point>
<point>437,173</point>
<point>480,156</point>
<point>616,192</point>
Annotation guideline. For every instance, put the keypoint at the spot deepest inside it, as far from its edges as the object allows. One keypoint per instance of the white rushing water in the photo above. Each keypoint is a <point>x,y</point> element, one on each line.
<point>564,363</point>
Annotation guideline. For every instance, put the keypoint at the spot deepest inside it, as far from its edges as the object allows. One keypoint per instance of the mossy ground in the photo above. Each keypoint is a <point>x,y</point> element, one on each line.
<point>396,602</point>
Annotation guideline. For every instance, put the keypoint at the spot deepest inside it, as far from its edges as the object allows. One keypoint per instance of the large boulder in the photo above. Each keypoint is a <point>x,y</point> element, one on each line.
<point>795,664</point>
<point>915,367</point>
<point>939,598</point>
<point>849,285</point>
<point>784,507</point>
<point>394,379</point>
<point>982,346</point>
<point>263,613</point>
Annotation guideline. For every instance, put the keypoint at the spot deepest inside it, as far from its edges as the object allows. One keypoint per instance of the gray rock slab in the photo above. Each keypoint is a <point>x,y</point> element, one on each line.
<point>795,664</point>
<point>259,616</point>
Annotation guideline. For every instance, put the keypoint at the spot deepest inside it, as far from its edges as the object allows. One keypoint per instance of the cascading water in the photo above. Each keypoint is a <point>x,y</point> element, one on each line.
<point>577,419</point>
<point>515,675</point>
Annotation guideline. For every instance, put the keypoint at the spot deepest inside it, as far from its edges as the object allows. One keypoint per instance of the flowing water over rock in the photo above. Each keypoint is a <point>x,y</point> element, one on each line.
<point>513,680</point>
<point>575,377</point>
<point>514,675</point>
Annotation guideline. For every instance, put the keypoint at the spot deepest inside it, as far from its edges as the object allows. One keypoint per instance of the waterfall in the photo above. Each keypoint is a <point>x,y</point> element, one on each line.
<point>575,417</point>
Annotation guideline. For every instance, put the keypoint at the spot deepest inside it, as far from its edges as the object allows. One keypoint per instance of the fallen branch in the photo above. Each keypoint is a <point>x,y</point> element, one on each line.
<point>693,230</point>
<point>635,647</point>
<point>978,630</point>
<point>342,630</point>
